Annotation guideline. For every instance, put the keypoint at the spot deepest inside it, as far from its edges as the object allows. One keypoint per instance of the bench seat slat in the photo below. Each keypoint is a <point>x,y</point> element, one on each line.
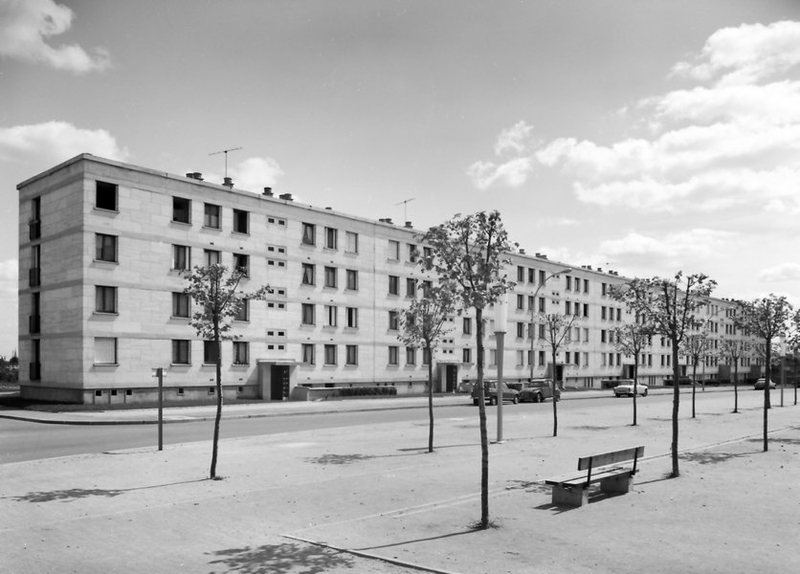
<point>613,457</point>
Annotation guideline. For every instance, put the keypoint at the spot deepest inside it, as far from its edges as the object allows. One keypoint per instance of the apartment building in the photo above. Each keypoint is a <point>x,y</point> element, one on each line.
<point>104,247</point>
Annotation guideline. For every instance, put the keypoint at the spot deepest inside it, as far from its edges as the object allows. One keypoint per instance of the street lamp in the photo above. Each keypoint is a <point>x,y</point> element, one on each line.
<point>533,308</point>
<point>782,341</point>
<point>500,320</point>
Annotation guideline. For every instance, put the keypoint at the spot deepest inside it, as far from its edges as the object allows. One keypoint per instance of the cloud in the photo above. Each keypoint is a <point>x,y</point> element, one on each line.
<point>512,170</point>
<point>256,172</point>
<point>26,25</point>
<point>52,142</point>
<point>513,139</point>
<point>780,273</point>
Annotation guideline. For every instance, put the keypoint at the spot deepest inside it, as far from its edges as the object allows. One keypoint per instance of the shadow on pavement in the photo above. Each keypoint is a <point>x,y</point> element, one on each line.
<point>281,559</point>
<point>71,494</point>
<point>415,540</point>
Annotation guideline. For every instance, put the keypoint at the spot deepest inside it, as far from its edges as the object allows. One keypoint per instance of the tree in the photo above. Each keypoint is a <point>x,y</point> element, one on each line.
<point>694,347</point>
<point>215,294</point>
<point>766,318</point>
<point>467,255</point>
<point>631,339</point>
<point>733,350</point>
<point>422,325</point>
<point>557,329</point>
<point>669,305</point>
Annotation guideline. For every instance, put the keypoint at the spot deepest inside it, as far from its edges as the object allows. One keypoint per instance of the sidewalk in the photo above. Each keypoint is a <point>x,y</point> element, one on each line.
<point>370,499</point>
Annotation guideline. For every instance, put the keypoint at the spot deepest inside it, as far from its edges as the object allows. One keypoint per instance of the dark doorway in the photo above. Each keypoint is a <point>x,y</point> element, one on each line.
<point>279,383</point>
<point>451,378</point>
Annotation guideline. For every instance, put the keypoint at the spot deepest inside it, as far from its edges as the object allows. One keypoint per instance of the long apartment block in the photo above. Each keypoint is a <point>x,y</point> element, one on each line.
<point>103,251</point>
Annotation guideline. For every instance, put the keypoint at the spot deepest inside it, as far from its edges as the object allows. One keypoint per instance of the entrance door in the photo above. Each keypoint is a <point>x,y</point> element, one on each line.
<point>279,382</point>
<point>451,380</point>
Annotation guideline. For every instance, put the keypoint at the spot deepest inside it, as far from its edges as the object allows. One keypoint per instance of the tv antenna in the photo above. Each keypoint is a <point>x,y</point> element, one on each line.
<point>225,151</point>
<point>405,203</point>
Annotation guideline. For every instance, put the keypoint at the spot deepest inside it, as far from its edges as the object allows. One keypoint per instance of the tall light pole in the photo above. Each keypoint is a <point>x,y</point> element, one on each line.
<point>500,320</point>
<point>533,308</point>
<point>782,341</point>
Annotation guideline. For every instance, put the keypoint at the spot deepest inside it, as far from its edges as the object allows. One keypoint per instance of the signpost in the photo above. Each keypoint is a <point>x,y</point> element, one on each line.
<point>160,376</point>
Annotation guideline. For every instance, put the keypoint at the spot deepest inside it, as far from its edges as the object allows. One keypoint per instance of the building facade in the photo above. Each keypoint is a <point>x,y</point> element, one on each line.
<point>104,247</point>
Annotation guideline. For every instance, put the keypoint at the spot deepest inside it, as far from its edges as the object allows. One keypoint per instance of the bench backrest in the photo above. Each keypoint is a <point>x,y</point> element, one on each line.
<point>596,460</point>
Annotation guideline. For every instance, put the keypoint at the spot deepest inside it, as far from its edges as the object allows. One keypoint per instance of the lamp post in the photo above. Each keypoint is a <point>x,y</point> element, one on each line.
<point>782,341</point>
<point>500,320</point>
<point>533,308</point>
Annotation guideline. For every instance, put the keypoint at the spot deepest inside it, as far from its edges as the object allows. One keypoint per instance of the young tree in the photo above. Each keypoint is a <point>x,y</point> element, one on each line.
<point>423,325</point>
<point>218,301</point>
<point>767,318</point>
<point>557,329</point>
<point>631,339</point>
<point>467,255</point>
<point>669,305</point>
<point>694,347</point>
<point>733,350</point>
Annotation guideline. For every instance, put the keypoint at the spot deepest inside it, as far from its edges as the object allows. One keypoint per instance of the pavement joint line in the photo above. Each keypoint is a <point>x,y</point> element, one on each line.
<point>362,554</point>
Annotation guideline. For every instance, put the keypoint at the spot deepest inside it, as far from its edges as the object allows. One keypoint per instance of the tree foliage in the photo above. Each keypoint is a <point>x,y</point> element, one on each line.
<point>695,347</point>
<point>669,306</point>
<point>217,301</point>
<point>467,254</point>
<point>733,350</point>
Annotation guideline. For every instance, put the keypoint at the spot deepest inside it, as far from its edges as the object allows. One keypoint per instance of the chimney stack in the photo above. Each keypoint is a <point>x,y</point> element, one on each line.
<point>268,191</point>
<point>228,183</point>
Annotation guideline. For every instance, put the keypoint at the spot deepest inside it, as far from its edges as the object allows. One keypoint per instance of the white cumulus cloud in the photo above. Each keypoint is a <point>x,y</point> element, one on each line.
<point>513,166</point>
<point>25,27</point>
<point>781,273</point>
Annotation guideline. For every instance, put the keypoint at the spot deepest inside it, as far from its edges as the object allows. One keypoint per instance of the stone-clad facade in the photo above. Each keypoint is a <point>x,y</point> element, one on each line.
<point>103,245</point>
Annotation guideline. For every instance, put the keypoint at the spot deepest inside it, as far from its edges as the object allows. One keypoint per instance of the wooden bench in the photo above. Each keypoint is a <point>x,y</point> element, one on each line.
<point>574,490</point>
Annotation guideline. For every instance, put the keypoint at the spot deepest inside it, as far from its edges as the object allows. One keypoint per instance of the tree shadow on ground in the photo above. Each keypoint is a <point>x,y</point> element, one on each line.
<point>281,559</point>
<point>591,428</point>
<point>421,449</point>
<point>72,494</point>
<point>790,441</point>
<point>533,486</point>
<point>338,458</point>
<point>415,540</point>
<point>706,457</point>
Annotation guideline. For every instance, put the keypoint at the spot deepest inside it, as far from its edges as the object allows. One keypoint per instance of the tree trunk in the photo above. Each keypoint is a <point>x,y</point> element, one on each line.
<point>635,384</point>
<point>484,523</point>
<point>694,387</point>
<point>218,416</point>
<point>676,399</point>
<point>430,398</point>
<point>555,389</point>
<point>736,386</point>
<point>767,379</point>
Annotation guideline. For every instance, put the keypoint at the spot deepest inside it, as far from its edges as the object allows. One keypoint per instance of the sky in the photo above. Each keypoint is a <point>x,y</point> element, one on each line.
<point>643,136</point>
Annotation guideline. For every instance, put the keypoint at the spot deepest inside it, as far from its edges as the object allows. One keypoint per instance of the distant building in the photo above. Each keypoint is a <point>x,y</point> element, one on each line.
<point>103,246</point>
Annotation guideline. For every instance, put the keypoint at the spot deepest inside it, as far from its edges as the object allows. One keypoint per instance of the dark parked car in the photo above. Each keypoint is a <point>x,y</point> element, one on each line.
<point>537,390</point>
<point>759,386</point>
<point>490,393</point>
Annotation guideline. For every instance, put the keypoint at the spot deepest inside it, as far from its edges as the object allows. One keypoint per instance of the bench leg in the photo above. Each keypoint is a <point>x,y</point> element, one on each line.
<point>618,484</point>
<point>570,495</point>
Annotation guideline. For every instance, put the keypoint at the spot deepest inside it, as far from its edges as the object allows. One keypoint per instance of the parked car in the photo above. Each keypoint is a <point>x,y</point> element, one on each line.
<point>625,388</point>
<point>759,386</point>
<point>537,390</point>
<point>490,393</point>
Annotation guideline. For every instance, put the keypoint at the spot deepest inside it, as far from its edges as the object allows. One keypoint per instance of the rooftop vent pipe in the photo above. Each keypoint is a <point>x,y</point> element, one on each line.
<point>268,191</point>
<point>195,175</point>
<point>228,183</point>
<point>286,196</point>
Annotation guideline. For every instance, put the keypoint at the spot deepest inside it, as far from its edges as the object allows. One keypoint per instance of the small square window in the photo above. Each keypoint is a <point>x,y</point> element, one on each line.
<point>309,234</point>
<point>181,210</point>
<point>105,247</point>
<point>211,216</point>
<point>106,196</point>
<point>241,221</point>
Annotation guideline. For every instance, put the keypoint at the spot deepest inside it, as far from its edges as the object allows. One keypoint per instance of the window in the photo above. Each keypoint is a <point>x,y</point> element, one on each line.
<point>241,262</point>
<point>352,241</point>
<point>308,354</point>
<point>394,285</point>
<point>352,355</point>
<point>211,257</point>
<point>34,321</point>
<point>542,277</point>
<point>531,275</point>
<point>520,274</point>
<point>105,351</point>
<point>331,312</point>
<point>241,353</point>
<point>426,356</point>
<point>413,253</point>
<point>411,288</point>
<point>105,247</point>
<point>569,283</point>
<point>352,317</point>
<point>541,358</point>
<point>241,221</point>
<point>308,314</point>
<point>330,277</point>
<point>244,311</point>
<point>180,352</point>
<point>520,301</point>
<point>394,320</point>
<point>467,326</point>
<point>520,330</point>
<point>210,352</point>
<point>36,260</point>
<point>520,358</point>
<point>105,196</point>
<point>331,238</point>
<point>181,257</point>
<point>35,223</point>
<point>352,279</point>
<point>308,274</point>
<point>330,354</point>
<point>567,308</point>
<point>466,355</point>
<point>393,355</point>
<point>180,305</point>
<point>211,216</point>
<point>181,210</point>
<point>394,250</point>
<point>309,234</point>
<point>411,356</point>
<point>105,299</point>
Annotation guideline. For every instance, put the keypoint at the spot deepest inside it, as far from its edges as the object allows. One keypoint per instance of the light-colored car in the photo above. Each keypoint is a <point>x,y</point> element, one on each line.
<point>490,393</point>
<point>537,390</point>
<point>759,386</point>
<point>625,388</point>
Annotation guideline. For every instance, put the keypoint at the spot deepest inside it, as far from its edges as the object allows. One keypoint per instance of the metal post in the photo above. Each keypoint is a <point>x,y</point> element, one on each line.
<point>783,366</point>
<point>160,375</point>
<point>500,320</point>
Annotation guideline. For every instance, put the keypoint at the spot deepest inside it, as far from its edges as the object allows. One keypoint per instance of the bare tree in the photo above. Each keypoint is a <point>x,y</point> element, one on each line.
<point>557,329</point>
<point>767,318</point>
<point>423,325</point>
<point>631,339</point>
<point>733,350</point>
<point>669,305</point>
<point>694,347</point>
<point>468,255</point>
<point>218,301</point>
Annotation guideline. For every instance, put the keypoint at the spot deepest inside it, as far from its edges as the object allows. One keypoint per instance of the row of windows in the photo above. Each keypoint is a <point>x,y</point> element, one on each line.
<point>331,238</point>
<point>105,352</point>
<point>330,277</point>
<point>331,315</point>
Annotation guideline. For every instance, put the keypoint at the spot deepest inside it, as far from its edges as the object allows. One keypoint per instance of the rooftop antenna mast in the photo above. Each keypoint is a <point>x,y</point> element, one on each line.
<point>225,151</point>
<point>405,203</point>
